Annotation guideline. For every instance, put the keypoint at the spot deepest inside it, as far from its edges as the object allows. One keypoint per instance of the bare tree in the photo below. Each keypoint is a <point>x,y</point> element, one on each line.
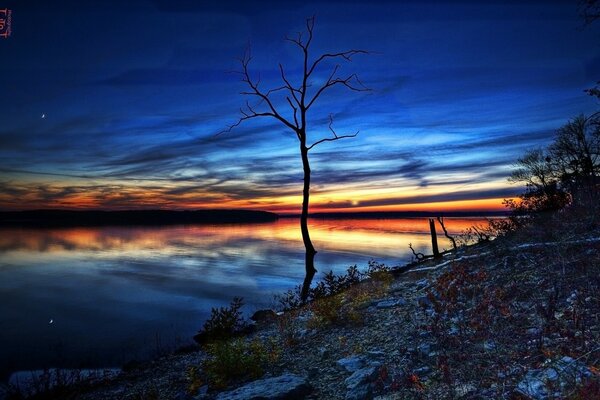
<point>589,10</point>
<point>300,98</point>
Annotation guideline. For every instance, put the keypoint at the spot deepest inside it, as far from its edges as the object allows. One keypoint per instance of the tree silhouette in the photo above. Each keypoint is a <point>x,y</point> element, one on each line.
<point>300,99</point>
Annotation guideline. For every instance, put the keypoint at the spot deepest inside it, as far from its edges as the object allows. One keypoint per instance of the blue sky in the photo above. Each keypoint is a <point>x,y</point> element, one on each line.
<point>134,94</point>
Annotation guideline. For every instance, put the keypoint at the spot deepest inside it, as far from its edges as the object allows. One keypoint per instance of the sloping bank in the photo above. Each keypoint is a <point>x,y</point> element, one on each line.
<point>512,318</point>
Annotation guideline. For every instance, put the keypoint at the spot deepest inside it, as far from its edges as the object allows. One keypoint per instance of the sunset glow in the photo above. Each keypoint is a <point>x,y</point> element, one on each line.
<point>95,118</point>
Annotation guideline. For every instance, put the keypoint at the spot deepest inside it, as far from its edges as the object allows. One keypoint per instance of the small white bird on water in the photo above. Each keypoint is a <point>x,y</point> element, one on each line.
<point>51,321</point>
<point>43,116</point>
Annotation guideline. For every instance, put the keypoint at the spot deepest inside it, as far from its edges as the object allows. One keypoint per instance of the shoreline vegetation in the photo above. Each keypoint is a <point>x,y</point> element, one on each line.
<point>515,317</point>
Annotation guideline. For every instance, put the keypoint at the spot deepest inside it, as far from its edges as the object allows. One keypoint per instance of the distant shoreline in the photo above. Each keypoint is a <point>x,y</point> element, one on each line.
<point>399,214</point>
<point>74,218</point>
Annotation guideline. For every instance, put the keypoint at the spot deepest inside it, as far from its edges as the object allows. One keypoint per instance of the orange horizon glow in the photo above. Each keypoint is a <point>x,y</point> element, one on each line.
<point>335,198</point>
<point>481,205</point>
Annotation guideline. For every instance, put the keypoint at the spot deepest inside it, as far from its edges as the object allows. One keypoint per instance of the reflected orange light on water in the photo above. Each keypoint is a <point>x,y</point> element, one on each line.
<point>387,237</point>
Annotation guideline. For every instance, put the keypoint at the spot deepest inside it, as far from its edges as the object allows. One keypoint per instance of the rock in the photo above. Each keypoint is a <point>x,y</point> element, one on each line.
<point>390,303</point>
<point>420,284</point>
<point>362,376</point>
<point>537,383</point>
<point>424,302</point>
<point>424,349</point>
<point>352,363</point>
<point>200,395</point>
<point>363,392</point>
<point>286,386</point>
<point>533,385</point>
<point>324,352</point>
<point>534,331</point>
<point>489,345</point>
<point>264,315</point>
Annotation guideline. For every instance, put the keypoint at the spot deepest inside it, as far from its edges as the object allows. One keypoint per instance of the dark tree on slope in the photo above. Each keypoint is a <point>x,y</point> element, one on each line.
<point>567,172</point>
<point>298,98</point>
<point>590,12</point>
<point>575,158</point>
<point>543,192</point>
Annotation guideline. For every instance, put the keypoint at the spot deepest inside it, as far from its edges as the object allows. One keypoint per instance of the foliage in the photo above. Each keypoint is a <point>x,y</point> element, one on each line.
<point>333,284</point>
<point>194,379</point>
<point>346,304</point>
<point>563,174</point>
<point>237,359</point>
<point>289,327</point>
<point>224,323</point>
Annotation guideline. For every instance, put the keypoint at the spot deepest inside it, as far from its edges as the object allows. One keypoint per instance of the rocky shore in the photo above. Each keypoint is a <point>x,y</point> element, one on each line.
<point>513,318</point>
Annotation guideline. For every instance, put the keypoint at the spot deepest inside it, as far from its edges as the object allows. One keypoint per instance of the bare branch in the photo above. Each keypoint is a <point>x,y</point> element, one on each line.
<point>441,222</point>
<point>346,55</point>
<point>295,110</point>
<point>263,96</point>
<point>351,82</point>
<point>292,90</point>
<point>335,135</point>
<point>418,256</point>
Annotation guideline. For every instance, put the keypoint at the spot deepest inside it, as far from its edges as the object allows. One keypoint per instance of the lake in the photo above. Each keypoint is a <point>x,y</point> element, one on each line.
<point>99,297</point>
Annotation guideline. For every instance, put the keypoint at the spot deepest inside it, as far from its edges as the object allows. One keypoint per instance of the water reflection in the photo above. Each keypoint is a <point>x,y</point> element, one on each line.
<point>116,293</point>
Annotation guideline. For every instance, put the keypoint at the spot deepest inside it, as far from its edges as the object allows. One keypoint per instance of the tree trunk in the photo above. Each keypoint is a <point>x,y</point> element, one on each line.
<point>310,249</point>
<point>434,244</point>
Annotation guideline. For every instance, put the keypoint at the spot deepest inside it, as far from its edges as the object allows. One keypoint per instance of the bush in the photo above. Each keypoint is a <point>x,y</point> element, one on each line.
<point>237,359</point>
<point>224,323</point>
<point>333,284</point>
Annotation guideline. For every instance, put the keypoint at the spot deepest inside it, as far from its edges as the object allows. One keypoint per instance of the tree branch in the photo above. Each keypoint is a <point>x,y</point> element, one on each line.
<point>351,82</point>
<point>346,55</point>
<point>441,222</point>
<point>250,113</point>
<point>335,135</point>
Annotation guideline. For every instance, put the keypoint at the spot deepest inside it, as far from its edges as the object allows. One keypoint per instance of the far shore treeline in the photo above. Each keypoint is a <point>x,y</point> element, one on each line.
<point>66,218</point>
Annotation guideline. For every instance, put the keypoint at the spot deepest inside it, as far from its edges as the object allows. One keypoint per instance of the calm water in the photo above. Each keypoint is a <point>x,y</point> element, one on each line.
<point>97,297</point>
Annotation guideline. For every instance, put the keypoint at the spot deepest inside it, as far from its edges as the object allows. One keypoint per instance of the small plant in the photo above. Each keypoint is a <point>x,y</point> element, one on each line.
<point>224,323</point>
<point>289,327</point>
<point>194,379</point>
<point>333,284</point>
<point>237,359</point>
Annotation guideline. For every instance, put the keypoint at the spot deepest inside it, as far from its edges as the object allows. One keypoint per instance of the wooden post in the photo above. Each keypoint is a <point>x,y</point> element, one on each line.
<point>434,244</point>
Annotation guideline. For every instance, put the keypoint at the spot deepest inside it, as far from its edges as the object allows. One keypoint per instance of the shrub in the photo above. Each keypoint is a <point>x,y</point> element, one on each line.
<point>237,359</point>
<point>224,323</point>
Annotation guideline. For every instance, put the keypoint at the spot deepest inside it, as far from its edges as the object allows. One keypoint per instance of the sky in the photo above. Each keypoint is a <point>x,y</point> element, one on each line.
<point>119,105</point>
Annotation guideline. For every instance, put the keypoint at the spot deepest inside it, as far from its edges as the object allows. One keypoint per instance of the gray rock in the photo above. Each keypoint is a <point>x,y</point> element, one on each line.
<point>534,331</point>
<point>420,284</point>
<point>424,349</point>
<point>489,345</point>
<point>264,315</point>
<point>537,383</point>
<point>352,363</point>
<point>283,387</point>
<point>390,303</point>
<point>424,302</point>
<point>200,395</point>
<point>324,352</point>
<point>376,354</point>
<point>362,376</point>
<point>533,385</point>
<point>422,371</point>
<point>362,392</point>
